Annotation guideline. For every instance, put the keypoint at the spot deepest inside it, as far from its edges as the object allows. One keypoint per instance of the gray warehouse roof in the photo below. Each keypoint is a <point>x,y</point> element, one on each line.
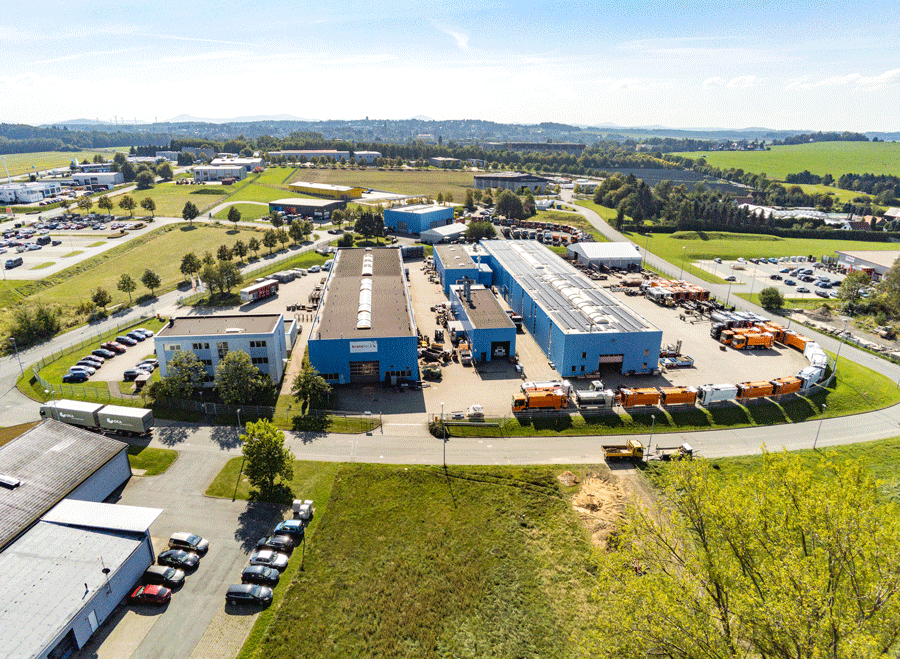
<point>606,250</point>
<point>883,258</point>
<point>46,578</point>
<point>390,314</point>
<point>454,256</point>
<point>215,325</point>
<point>572,300</point>
<point>50,460</point>
<point>484,311</point>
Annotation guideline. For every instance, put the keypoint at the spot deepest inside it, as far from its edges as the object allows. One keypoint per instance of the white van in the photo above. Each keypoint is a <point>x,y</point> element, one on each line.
<point>327,264</point>
<point>314,268</point>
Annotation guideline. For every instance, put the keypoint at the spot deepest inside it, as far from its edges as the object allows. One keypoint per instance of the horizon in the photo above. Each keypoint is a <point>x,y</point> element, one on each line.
<point>822,67</point>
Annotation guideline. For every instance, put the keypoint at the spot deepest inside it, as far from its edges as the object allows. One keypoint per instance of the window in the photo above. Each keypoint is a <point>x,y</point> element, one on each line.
<point>260,360</point>
<point>257,344</point>
<point>647,352</point>
<point>573,369</point>
<point>582,368</point>
<point>172,347</point>
<point>200,346</point>
<point>584,355</point>
<point>206,362</point>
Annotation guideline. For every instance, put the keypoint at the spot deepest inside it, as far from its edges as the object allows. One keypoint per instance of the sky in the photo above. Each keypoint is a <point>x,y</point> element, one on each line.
<point>794,65</point>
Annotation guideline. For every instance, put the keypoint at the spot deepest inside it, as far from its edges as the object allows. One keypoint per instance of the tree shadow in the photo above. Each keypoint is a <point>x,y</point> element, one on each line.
<point>257,521</point>
<point>226,437</point>
<point>171,435</point>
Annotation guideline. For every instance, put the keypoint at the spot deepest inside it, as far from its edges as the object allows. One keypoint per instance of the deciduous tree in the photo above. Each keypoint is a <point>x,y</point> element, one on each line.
<point>310,388</point>
<point>85,204</point>
<point>190,212</point>
<point>127,203</point>
<point>151,280</point>
<point>149,205</point>
<point>190,264</point>
<point>853,285</point>
<point>145,180</point>
<point>223,253</point>
<point>239,382</point>
<point>266,458</point>
<point>105,203</point>
<point>771,298</point>
<point>253,245</point>
<point>164,171</point>
<point>509,204</point>
<point>185,373</point>
<point>126,284</point>
<point>234,216</point>
<point>101,297</point>
<point>270,239</point>
<point>240,249</point>
<point>478,230</point>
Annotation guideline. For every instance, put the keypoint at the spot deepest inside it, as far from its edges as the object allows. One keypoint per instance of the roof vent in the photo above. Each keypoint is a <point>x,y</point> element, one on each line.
<point>233,330</point>
<point>9,482</point>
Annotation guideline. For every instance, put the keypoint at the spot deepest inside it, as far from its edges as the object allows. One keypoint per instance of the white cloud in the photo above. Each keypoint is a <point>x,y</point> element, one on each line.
<point>742,82</point>
<point>868,82</point>
<point>714,82</point>
<point>461,38</point>
<point>891,77</point>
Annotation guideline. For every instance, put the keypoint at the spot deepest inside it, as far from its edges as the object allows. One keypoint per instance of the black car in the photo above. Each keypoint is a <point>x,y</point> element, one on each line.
<point>163,576</point>
<point>88,362</point>
<point>775,277</point>
<point>248,594</point>
<point>103,352</point>
<point>260,574</point>
<point>132,373</point>
<point>282,543</point>
<point>125,340</point>
<point>292,527</point>
<point>183,560</point>
<point>136,336</point>
<point>75,377</point>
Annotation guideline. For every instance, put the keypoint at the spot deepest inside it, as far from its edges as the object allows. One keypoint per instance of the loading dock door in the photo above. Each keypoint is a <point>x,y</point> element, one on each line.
<point>364,372</point>
<point>499,349</point>
<point>612,359</point>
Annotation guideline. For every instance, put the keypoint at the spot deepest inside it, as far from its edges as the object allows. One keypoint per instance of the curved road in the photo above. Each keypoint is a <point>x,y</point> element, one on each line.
<point>422,448</point>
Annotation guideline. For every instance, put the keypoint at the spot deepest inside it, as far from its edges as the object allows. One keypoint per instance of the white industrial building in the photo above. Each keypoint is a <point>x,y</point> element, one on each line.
<point>219,173</point>
<point>367,157</point>
<point>444,233</point>
<point>610,255</point>
<point>167,155</point>
<point>98,180</point>
<point>249,164</point>
<point>66,558</point>
<point>28,193</point>
<point>210,338</point>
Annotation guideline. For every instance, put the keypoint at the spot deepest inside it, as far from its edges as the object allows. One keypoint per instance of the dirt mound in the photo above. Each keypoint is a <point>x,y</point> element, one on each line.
<point>822,313</point>
<point>568,479</point>
<point>600,503</point>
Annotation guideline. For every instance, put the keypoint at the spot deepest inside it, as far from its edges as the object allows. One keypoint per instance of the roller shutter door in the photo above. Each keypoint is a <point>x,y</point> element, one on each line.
<point>364,372</point>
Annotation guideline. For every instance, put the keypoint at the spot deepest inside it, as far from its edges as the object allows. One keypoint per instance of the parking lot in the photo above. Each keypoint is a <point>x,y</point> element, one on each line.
<point>756,276</point>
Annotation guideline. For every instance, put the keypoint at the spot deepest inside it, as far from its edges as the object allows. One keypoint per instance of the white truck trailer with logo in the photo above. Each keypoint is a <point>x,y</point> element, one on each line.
<point>103,418</point>
<point>73,412</point>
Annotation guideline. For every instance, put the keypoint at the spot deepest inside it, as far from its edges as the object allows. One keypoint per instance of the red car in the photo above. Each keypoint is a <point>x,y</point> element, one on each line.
<point>114,347</point>
<point>150,594</point>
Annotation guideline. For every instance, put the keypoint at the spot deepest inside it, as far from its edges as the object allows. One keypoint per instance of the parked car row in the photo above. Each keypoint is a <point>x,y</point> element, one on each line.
<point>88,365</point>
<point>269,560</point>
<point>158,581</point>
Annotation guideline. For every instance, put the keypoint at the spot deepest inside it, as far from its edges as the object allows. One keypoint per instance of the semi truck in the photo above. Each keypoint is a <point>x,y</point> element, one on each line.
<point>114,419</point>
<point>259,291</point>
<point>630,450</point>
<point>535,400</point>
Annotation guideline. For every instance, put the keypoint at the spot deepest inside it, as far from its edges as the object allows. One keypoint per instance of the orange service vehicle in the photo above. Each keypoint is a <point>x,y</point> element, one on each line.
<point>786,385</point>
<point>795,340</point>
<point>532,400</point>
<point>635,397</point>
<point>748,390</point>
<point>753,341</point>
<point>678,395</point>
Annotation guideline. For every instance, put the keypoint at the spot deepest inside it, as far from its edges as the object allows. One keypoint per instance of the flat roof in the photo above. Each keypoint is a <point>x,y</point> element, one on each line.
<point>303,201</point>
<point>572,300</point>
<point>391,316</point>
<point>51,460</point>
<point>420,208</point>
<point>484,311</point>
<point>447,230</point>
<point>454,256</point>
<point>884,258</point>
<point>606,250</point>
<point>48,576</point>
<point>112,517</point>
<point>514,176</point>
<point>231,168</point>
<point>216,325</point>
<point>325,186</point>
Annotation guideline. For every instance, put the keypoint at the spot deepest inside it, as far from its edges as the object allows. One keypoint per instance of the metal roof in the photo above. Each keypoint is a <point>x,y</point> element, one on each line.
<point>447,230</point>
<point>308,203</point>
<point>484,311</point>
<point>575,303</point>
<point>51,460</point>
<point>454,256</point>
<point>883,258</point>
<point>419,209</point>
<point>47,577</point>
<point>606,250</point>
<point>89,514</point>
<point>339,309</point>
<point>220,325</point>
<point>323,186</point>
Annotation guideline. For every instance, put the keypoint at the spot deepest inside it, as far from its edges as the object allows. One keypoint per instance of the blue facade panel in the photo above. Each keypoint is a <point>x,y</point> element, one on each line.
<point>395,356</point>
<point>450,275</point>
<point>486,342</point>
<point>406,220</point>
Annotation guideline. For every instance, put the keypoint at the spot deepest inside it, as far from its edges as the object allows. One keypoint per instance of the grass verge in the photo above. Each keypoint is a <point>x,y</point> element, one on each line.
<point>153,461</point>
<point>10,433</point>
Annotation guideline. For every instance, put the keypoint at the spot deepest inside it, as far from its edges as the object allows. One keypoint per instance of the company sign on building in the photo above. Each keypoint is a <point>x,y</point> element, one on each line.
<point>363,346</point>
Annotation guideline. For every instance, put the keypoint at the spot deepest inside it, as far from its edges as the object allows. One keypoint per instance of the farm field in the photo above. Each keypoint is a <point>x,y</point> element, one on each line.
<point>466,562</point>
<point>21,163</point>
<point>820,158</point>
<point>411,181</point>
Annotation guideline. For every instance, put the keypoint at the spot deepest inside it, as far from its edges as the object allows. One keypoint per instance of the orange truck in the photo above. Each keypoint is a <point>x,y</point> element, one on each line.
<point>786,385</point>
<point>635,397</point>
<point>535,400</point>
<point>753,341</point>
<point>748,390</point>
<point>795,340</point>
<point>678,395</point>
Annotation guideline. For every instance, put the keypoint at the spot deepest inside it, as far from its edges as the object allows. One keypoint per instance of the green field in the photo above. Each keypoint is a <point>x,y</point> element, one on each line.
<point>820,158</point>
<point>572,219</point>
<point>21,163</point>
<point>425,562</point>
<point>412,182</point>
<point>171,198</point>
<point>248,212</point>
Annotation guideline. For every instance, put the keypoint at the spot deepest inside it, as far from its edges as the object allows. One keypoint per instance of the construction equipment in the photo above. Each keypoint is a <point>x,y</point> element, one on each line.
<point>631,450</point>
<point>682,451</point>
<point>533,400</point>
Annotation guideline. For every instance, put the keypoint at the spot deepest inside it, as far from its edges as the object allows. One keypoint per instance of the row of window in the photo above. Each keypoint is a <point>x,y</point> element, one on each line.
<point>330,377</point>
<point>404,373</point>
<point>260,360</point>
<point>200,346</point>
<point>257,344</point>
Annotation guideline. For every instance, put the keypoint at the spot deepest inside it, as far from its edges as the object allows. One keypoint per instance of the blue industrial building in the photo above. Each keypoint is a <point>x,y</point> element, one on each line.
<point>580,327</point>
<point>489,329</point>
<point>416,219</point>
<point>454,263</point>
<point>364,331</point>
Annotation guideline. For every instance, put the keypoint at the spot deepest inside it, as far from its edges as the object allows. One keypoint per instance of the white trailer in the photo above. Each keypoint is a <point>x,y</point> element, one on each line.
<point>73,412</point>
<point>125,420</point>
<point>716,393</point>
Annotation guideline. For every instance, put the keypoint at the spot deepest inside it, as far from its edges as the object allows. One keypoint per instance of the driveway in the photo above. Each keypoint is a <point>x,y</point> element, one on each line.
<point>232,529</point>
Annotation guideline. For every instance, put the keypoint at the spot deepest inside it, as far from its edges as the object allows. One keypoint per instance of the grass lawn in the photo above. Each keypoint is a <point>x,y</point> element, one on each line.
<point>820,158</point>
<point>411,182</point>
<point>71,254</point>
<point>793,302</point>
<point>10,433</point>
<point>422,562</point>
<point>41,266</point>
<point>171,198</point>
<point>248,212</point>
<point>572,219</point>
<point>153,460</point>
<point>21,163</point>
<point>309,478</point>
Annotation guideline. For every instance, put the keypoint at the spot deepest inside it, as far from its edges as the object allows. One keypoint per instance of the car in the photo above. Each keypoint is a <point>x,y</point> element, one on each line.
<point>822,284</point>
<point>75,378</point>
<point>315,268</point>
<point>296,528</point>
<point>773,260</point>
<point>151,362</point>
<point>730,278</point>
<point>132,374</point>
<point>260,574</point>
<point>248,594</point>
<point>784,271</point>
<point>147,368</point>
<point>136,336</point>
<point>90,370</point>
<point>112,346</point>
<point>833,294</point>
<point>150,594</point>
<point>269,558</point>
<point>281,543</point>
<point>183,560</point>
<point>803,289</point>
<point>147,333</point>
<point>104,353</point>
<point>776,277</point>
<point>56,243</point>
<point>89,362</point>
<point>126,341</point>
<point>790,282</point>
<point>33,247</point>
<point>822,293</point>
<point>190,542</point>
<point>163,575</point>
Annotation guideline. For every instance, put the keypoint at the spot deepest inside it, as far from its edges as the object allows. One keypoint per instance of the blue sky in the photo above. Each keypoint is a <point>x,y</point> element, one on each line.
<point>821,65</point>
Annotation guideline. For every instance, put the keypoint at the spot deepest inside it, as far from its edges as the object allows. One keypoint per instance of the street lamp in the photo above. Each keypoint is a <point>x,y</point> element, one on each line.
<point>846,320</point>
<point>821,418</point>
<point>728,297</point>
<point>444,435</point>
<point>681,274</point>
<point>647,246</point>
<point>239,417</point>
<point>652,425</point>
<point>16,348</point>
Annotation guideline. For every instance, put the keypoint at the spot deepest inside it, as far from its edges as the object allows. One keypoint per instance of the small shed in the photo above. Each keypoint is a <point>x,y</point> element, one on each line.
<point>610,255</point>
<point>443,234</point>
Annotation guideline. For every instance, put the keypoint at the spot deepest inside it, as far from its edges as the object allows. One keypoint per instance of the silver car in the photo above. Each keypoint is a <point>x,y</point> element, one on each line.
<point>269,558</point>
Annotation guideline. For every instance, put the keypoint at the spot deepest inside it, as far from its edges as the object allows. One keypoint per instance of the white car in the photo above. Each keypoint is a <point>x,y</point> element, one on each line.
<point>314,268</point>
